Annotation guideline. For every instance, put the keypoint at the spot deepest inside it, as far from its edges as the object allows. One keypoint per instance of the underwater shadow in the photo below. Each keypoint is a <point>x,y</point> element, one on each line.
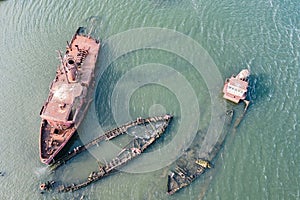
<point>259,89</point>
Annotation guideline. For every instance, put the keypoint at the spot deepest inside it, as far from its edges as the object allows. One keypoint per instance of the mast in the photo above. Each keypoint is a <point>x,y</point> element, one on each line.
<point>62,64</point>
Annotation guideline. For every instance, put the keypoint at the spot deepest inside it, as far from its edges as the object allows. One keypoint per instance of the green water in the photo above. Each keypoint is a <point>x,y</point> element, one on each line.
<point>162,72</point>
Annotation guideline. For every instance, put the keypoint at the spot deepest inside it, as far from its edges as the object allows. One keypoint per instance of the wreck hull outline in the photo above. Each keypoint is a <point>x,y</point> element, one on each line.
<point>132,150</point>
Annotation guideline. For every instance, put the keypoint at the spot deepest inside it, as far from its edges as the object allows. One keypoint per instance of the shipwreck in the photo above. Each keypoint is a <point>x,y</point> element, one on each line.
<point>150,130</point>
<point>70,95</point>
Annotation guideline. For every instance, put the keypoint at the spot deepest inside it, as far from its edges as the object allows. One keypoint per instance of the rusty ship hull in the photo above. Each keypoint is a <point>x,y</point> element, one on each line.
<point>153,128</point>
<point>70,95</point>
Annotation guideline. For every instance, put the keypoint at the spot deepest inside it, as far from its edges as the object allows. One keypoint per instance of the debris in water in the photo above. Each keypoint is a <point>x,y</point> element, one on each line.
<point>47,185</point>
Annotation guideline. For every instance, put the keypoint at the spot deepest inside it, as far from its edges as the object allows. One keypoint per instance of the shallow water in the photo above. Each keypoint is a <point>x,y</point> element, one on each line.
<point>154,71</point>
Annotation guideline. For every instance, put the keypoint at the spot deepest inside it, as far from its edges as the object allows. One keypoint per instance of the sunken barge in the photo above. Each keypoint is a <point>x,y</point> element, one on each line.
<point>108,135</point>
<point>70,95</point>
<point>153,128</point>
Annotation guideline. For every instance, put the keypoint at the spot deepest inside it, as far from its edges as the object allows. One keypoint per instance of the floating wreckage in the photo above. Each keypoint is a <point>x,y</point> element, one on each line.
<point>235,88</point>
<point>70,95</point>
<point>182,176</point>
<point>192,164</point>
<point>47,186</point>
<point>2,173</point>
<point>152,127</point>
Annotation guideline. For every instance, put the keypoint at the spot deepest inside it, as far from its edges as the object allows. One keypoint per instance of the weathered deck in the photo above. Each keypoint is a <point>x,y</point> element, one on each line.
<point>70,95</point>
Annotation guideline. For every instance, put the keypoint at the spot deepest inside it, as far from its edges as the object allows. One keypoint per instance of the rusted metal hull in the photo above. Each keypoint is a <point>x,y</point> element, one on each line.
<point>60,140</point>
<point>108,135</point>
<point>70,95</point>
<point>136,147</point>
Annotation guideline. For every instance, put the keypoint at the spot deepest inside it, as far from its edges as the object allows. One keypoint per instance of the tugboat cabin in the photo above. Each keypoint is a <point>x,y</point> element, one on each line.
<point>235,88</point>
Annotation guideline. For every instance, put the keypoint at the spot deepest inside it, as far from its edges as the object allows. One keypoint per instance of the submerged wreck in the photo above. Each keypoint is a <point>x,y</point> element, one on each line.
<point>109,135</point>
<point>151,129</point>
<point>70,95</point>
<point>183,176</point>
<point>190,166</point>
<point>193,163</point>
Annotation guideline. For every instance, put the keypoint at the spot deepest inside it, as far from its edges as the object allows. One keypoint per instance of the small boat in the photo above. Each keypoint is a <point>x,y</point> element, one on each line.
<point>236,87</point>
<point>70,95</point>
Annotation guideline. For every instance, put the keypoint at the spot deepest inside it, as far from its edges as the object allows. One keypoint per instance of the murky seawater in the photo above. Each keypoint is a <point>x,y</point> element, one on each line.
<point>153,74</point>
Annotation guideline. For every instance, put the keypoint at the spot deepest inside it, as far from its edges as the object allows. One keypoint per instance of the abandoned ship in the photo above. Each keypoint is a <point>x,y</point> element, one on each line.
<point>70,94</point>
